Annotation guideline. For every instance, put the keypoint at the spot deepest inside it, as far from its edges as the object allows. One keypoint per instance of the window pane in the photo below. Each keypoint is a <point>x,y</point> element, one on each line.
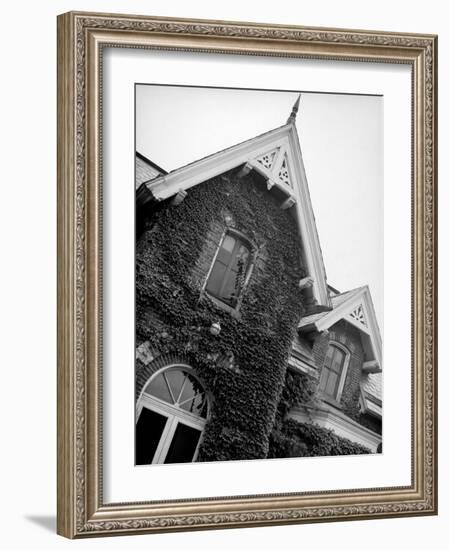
<point>324,377</point>
<point>241,258</point>
<point>228,243</point>
<point>195,404</point>
<point>338,360</point>
<point>236,276</point>
<point>225,252</point>
<point>331,385</point>
<point>229,270</point>
<point>191,388</point>
<point>158,388</point>
<point>240,266</point>
<point>193,397</point>
<point>175,380</point>
<point>149,430</point>
<point>216,279</point>
<point>330,352</point>
<point>183,444</point>
<point>329,355</point>
<point>230,289</point>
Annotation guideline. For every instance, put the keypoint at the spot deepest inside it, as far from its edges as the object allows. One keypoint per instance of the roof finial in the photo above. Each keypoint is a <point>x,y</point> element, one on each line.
<point>291,119</point>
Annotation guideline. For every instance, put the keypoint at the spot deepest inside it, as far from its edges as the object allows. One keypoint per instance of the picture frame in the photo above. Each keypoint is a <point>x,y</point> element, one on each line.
<point>82,39</point>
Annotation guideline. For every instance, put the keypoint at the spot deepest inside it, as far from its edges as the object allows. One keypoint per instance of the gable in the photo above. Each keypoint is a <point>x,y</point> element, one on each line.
<point>276,155</point>
<point>356,307</point>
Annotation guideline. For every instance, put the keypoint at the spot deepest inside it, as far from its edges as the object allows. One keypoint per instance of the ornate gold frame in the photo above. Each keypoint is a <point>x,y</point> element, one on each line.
<point>81,37</point>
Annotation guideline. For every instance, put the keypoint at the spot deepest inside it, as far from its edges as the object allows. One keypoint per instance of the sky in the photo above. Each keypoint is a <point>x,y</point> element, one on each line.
<point>341,138</point>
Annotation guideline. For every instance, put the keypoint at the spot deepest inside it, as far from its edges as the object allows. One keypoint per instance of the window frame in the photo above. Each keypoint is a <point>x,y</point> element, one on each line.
<point>238,235</point>
<point>343,374</point>
<point>172,413</point>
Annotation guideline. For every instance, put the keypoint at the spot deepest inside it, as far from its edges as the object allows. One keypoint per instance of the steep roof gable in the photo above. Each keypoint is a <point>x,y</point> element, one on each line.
<point>357,308</point>
<point>277,156</point>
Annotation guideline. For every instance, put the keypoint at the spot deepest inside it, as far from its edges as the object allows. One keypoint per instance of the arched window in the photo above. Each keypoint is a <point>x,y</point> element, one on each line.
<point>333,373</point>
<point>230,270</point>
<point>171,416</point>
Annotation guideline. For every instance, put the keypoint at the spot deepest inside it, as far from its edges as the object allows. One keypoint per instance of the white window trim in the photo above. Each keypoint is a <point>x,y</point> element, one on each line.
<point>170,428</point>
<point>253,253</point>
<point>344,370</point>
<point>173,414</point>
<point>341,424</point>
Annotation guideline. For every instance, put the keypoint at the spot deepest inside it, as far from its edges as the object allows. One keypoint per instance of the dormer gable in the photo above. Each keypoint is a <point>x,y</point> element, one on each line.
<point>356,307</point>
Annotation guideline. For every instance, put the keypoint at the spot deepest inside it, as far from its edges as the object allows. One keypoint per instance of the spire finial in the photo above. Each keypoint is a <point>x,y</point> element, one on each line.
<point>291,119</point>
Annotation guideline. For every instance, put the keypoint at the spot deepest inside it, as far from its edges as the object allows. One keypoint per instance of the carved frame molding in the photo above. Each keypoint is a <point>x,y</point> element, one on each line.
<point>81,37</point>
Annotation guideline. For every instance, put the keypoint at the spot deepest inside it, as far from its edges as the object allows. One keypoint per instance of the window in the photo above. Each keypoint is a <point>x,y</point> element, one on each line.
<point>230,270</point>
<point>171,417</point>
<point>334,371</point>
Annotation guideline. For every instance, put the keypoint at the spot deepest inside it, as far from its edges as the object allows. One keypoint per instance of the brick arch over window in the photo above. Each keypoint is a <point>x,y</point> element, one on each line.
<point>145,372</point>
<point>342,338</point>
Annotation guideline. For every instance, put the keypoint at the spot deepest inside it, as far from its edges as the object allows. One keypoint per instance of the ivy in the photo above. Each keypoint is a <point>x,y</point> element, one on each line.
<point>290,438</point>
<point>295,439</point>
<point>246,391</point>
<point>298,389</point>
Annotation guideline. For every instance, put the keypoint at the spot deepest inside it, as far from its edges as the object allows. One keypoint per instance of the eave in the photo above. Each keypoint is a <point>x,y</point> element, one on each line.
<point>339,423</point>
<point>369,328</point>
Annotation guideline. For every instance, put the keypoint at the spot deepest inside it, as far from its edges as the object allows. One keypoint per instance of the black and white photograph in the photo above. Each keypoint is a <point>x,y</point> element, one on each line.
<point>223,270</point>
<point>258,274</point>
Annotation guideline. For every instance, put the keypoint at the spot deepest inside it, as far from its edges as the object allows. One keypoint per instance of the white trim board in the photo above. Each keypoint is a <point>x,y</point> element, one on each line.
<point>341,424</point>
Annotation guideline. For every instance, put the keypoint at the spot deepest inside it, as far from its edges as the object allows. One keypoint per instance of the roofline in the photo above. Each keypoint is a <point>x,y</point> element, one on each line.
<point>334,315</point>
<point>333,289</point>
<point>186,168</point>
<point>151,163</point>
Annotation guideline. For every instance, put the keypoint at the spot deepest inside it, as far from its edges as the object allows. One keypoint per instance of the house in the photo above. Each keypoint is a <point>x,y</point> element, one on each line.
<point>243,349</point>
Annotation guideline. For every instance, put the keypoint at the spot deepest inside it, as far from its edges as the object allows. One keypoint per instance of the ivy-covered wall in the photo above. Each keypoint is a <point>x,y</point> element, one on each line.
<point>243,368</point>
<point>290,438</point>
<point>297,439</point>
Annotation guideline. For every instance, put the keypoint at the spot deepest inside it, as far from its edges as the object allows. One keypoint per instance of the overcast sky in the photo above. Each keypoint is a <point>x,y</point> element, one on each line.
<point>341,138</point>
